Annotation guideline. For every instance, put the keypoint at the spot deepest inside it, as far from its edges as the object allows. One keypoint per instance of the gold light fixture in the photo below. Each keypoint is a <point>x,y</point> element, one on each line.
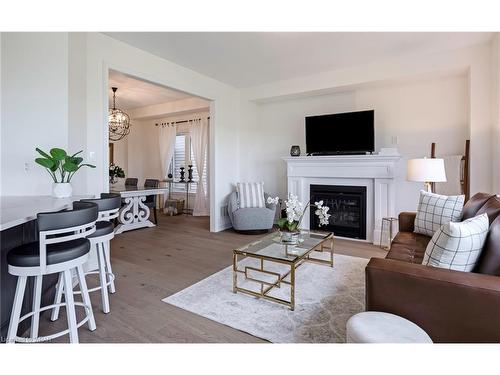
<point>118,121</point>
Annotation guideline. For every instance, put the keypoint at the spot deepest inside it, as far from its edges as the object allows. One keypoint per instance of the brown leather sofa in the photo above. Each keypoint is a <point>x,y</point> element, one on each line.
<point>451,306</point>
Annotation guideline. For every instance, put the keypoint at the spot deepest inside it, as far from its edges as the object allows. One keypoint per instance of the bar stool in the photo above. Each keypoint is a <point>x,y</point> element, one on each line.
<point>108,204</point>
<point>61,248</point>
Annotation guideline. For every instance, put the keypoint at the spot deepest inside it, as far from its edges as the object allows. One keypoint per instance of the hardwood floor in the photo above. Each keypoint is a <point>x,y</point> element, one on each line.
<point>151,264</point>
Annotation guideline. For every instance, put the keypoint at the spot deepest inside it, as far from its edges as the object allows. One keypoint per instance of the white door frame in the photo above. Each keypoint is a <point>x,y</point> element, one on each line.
<point>211,149</point>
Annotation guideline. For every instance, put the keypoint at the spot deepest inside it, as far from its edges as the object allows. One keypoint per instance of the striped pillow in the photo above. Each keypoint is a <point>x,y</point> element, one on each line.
<point>251,194</point>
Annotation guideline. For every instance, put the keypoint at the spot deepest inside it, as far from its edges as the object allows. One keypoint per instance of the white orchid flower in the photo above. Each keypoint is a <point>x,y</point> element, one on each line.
<point>271,200</point>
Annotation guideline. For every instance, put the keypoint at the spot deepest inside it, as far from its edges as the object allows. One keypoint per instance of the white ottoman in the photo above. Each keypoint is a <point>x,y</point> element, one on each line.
<point>381,327</point>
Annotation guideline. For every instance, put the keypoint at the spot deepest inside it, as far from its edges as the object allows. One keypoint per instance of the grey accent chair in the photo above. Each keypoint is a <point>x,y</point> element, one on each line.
<point>251,220</point>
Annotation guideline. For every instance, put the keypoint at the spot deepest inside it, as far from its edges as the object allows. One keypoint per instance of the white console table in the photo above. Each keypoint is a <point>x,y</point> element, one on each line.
<point>135,214</point>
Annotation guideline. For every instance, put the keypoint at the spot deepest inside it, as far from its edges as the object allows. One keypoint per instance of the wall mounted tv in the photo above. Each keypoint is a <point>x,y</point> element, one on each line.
<point>340,133</point>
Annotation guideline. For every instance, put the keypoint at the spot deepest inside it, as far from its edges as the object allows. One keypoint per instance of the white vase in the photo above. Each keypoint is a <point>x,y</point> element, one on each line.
<point>61,190</point>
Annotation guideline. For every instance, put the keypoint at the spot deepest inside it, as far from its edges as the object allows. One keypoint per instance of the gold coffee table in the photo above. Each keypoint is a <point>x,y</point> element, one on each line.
<point>268,251</point>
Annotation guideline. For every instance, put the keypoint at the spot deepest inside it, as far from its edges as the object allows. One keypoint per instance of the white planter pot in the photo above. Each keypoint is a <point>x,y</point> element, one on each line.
<point>62,190</point>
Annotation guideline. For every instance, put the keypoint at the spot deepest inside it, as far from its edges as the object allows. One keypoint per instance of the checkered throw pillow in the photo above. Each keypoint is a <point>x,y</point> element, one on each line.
<point>457,246</point>
<point>435,210</point>
<point>251,194</point>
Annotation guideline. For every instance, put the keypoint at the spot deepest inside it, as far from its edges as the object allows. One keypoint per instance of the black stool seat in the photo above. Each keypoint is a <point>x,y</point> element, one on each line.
<point>28,255</point>
<point>102,228</point>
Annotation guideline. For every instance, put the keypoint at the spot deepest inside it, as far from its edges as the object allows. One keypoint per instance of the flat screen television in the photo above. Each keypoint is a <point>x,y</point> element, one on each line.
<point>340,133</point>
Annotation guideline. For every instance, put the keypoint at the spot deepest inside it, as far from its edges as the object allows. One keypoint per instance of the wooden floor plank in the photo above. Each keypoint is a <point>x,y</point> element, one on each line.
<point>151,264</point>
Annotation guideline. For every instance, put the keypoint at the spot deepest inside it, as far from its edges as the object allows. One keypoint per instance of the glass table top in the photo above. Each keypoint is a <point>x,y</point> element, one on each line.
<point>271,247</point>
<point>123,188</point>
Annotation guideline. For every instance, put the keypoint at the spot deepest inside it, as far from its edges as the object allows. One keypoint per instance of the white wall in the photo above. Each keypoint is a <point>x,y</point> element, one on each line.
<point>416,113</point>
<point>495,68</point>
<point>34,91</point>
<point>475,61</point>
<point>77,108</point>
<point>143,151</point>
<point>173,108</point>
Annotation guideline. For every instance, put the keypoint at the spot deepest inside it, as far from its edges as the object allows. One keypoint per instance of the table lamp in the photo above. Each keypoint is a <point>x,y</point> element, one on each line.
<point>427,171</point>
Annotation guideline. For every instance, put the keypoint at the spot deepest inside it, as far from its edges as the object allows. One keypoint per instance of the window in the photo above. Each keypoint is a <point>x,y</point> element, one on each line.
<point>182,154</point>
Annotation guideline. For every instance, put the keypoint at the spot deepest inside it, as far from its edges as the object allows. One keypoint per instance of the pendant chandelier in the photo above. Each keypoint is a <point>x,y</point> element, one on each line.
<point>118,121</point>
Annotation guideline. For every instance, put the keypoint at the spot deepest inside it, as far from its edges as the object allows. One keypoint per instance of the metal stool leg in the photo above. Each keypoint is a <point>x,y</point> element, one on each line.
<point>58,298</point>
<point>86,297</point>
<point>37,297</point>
<point>107,256</point>
<point>70,307</point>
<point>16,309</point>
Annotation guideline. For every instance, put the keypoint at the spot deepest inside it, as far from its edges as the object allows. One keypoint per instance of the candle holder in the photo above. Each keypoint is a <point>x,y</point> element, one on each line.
<point>190,173</point>
<point>182,174</point>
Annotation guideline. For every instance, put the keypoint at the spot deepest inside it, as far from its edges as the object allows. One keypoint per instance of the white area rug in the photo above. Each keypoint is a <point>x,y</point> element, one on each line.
<point>325,299</point>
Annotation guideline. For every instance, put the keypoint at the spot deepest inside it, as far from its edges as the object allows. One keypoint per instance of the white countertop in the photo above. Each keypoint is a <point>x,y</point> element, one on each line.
<point>16,210</point>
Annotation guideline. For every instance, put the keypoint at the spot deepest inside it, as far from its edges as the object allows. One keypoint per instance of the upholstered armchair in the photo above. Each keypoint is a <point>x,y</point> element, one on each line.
<point>251,220</point>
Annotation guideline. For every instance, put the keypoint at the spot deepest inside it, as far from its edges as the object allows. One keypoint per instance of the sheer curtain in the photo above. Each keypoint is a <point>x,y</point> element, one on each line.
<point>166,141</point>
<point>199,142</point>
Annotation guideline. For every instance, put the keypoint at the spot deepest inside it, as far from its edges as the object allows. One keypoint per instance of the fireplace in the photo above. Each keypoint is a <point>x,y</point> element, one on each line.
<point>347,209</point>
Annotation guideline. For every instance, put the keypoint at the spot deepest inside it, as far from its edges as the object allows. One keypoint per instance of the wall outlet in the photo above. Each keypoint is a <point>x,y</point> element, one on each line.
<point>394,140</point>
<point>223,211</point>
<point>26,167</point>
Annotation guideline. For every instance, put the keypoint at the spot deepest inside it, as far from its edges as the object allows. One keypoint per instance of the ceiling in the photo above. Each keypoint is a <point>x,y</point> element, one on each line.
<point>249,59</point>
<point>134,93</point>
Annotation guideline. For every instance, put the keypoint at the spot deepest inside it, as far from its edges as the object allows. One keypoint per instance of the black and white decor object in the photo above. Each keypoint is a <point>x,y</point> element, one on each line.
<point>190,173</point>
<point>182,174</point>
<point>295,150</point>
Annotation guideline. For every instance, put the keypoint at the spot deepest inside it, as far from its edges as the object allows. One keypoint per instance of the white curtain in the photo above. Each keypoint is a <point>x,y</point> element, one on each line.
<point>166,141</point>
<point>199,141</point>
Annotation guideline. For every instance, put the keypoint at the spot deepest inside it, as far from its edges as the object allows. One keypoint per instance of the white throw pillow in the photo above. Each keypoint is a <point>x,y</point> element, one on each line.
<point>435,210</point>
<point>457,246</point>
<point>251,194</point>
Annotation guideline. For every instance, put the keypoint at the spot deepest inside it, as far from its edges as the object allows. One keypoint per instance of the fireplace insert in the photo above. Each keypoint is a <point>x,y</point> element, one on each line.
<point>347,209</point>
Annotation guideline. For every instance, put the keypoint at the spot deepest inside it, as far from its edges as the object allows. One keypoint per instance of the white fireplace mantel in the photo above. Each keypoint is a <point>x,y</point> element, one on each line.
<point>375,172</point>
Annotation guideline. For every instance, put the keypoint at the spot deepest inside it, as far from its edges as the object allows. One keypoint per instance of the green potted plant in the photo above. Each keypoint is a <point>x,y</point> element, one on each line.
<point>61,167</point>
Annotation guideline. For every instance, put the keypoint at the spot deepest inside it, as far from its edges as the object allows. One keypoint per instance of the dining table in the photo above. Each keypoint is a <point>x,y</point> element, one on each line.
<point>134,214</point>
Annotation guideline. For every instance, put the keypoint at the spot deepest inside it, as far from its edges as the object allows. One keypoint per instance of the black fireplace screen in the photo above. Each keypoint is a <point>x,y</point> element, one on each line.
<point>347,209</point>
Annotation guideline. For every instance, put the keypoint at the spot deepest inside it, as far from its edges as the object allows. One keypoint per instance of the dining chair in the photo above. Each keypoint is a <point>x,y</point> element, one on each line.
<point>131,181</point>
<point>151,199</point>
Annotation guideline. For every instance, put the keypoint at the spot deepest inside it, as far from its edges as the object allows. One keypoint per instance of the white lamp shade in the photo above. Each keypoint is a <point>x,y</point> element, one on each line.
<point>426,170</point>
